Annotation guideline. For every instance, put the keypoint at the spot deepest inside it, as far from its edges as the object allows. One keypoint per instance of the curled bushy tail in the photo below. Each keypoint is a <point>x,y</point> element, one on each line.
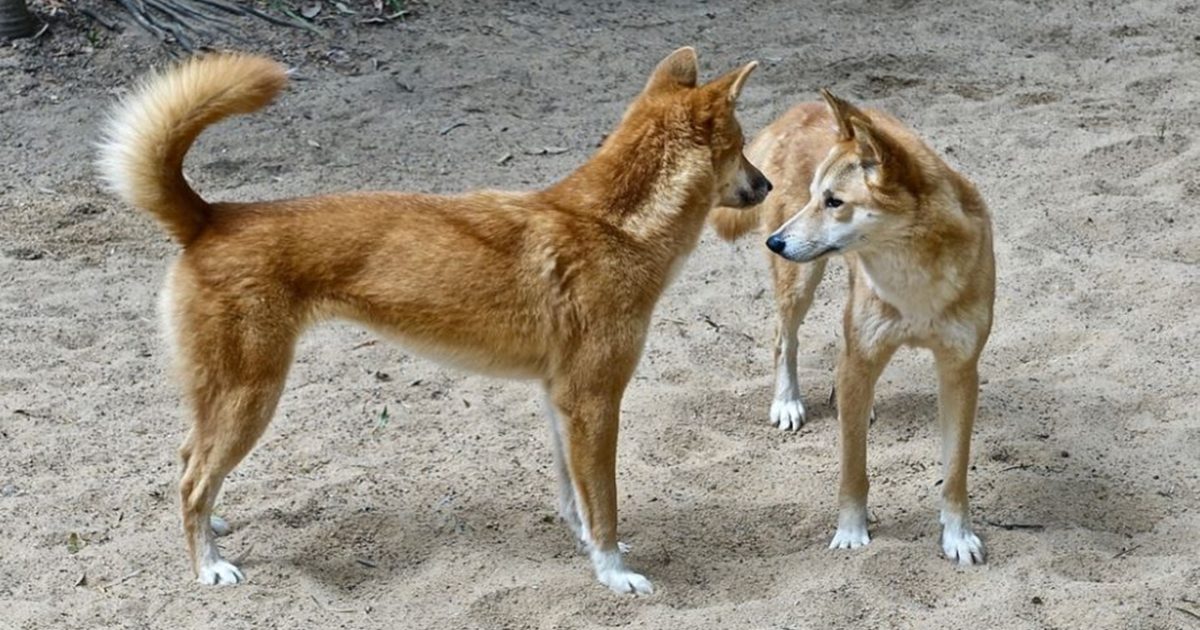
<point>732,223</point>
<point>150,131</point>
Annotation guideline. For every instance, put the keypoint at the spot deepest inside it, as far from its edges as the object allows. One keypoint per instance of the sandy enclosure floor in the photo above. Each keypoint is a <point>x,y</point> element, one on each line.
<point>1079,121</point>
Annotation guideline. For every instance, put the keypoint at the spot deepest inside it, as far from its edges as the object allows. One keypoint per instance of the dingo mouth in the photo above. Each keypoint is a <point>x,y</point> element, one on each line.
<point>806,252</point>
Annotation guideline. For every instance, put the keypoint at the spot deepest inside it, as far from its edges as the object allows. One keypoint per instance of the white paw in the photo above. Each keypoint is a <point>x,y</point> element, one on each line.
<point>220,526</point>
<point>625,581</point>
<point>850,536</point>
<point>961,545</point>
<point>220,572</point>
<point>611,571</point>
<point>787,414</point>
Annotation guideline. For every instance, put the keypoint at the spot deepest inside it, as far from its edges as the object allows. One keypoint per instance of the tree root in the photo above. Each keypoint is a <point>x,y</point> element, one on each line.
<point>188,23</point>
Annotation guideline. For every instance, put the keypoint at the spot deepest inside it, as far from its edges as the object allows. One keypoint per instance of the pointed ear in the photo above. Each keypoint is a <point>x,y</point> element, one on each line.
<point>678,69</point>
<point>871,147</point>
<point>884,159</point>
<point>843,112</point>
<point>731,83</point>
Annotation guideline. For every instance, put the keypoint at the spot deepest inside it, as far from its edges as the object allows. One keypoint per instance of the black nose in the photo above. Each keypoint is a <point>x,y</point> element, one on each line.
<point>766,183</point>
<point>776,244</point>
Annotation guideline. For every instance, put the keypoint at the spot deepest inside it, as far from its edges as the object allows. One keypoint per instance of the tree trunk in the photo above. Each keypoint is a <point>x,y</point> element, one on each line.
<point>15,19</point>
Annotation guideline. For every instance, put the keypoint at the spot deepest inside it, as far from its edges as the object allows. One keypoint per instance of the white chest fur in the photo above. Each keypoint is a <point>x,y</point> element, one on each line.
<point>920,297</point>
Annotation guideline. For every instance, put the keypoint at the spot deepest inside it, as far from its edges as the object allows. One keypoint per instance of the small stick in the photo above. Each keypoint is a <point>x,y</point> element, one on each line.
<point>708,320</point>
<point>1186,612</point>
<point>1012,526</point>
<point>122,580</point>
<point>245,554</point>
<point>328,609</point>
<point>451,127</point>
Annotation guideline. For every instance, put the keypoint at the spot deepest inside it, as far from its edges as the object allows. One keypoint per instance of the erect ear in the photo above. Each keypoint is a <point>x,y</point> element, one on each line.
<point>882,157</point>
<point>730,84</point>
<point>871,148</point>
<point>678,69</point>
<point>843,113</point>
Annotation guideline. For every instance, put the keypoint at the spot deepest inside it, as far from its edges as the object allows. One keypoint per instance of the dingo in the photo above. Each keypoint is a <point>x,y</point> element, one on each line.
<point>918,242</point>
<point>556,285</point>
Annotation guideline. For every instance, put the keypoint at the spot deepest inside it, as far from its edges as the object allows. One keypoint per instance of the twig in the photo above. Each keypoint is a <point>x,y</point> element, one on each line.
<point>1186,612</point>
<point>1017,467</point>
<point>328,609</point>
<point>451,127</point>
<point>301,22</point>
<point>708,320</point>
<point>122,580</point>
<point>1012,526</point>
<point>365,344</point>
<point>245,554</point>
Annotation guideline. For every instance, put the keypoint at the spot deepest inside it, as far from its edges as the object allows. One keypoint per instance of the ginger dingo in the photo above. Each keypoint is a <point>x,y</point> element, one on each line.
<point>556,285</point>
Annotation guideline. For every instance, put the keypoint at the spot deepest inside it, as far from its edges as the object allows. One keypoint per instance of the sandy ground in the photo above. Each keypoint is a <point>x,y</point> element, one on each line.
<point>1079,122</point>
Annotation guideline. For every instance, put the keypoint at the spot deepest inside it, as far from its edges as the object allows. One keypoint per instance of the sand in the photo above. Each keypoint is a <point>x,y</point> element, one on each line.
<point>1078,121</point>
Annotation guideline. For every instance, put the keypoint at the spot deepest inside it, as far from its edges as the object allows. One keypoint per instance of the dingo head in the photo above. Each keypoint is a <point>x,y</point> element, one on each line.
<point>863,192</point>
<point>709,111</point>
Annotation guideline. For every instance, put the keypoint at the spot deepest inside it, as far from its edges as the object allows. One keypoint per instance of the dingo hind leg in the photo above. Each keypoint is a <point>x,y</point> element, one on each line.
<point>233,369</point>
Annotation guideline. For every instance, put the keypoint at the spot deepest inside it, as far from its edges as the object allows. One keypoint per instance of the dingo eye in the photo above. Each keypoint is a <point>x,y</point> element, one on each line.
<point>833,202</point>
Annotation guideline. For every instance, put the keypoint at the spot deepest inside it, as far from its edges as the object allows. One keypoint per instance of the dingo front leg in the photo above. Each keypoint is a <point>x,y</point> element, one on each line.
<point>589,414</point>
<point>856,375</point>
<point>795,286</point>
<point>958,392</point>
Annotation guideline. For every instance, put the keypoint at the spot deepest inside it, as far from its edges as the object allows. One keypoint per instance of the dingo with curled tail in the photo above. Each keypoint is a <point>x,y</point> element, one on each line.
<point>918,242</point>
<point>556,285</point>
